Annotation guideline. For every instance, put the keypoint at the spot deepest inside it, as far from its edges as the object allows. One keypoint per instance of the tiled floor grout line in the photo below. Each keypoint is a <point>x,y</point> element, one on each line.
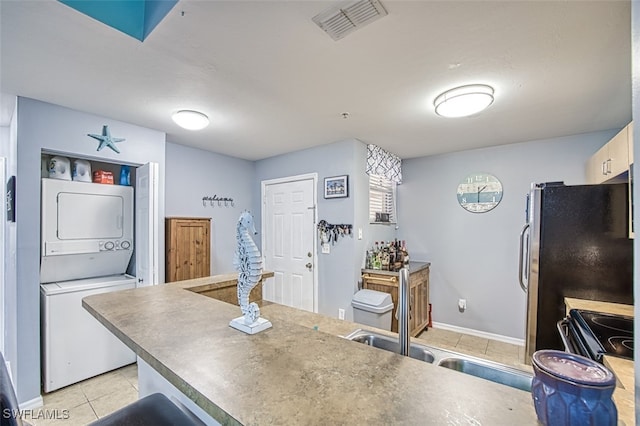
<point>93,409</point>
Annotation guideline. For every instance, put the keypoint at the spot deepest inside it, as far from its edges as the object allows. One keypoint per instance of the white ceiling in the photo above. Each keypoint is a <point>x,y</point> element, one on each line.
<point>273,82</point>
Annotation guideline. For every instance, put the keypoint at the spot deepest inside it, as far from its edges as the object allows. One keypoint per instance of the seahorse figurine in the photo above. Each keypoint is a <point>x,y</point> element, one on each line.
<point>248,262</point>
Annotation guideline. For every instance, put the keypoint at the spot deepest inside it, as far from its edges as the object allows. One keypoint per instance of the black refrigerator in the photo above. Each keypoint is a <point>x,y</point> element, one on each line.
<point>575,244</point>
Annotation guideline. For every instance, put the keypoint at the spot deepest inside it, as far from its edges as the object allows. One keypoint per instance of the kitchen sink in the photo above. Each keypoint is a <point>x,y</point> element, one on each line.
<point>488,370</point>
<point>467,364</point>
<point>390,344</point>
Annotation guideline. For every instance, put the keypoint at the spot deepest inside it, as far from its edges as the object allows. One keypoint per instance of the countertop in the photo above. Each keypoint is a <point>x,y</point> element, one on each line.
<point>213,282</point>
<point>292,373</point>
<point>622,368</point>
<point>413,267</point>
<point>597,306</point>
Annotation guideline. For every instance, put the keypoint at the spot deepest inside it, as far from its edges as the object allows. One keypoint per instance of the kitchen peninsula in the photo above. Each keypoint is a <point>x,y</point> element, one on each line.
<point>222,287</point>
<point>292,374</point>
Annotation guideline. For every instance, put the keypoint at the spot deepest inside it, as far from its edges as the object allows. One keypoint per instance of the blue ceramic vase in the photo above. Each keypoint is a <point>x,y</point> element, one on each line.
<point>570,389</point>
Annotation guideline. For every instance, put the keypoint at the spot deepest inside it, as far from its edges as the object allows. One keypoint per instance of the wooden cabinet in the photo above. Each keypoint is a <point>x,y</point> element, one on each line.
<point>188,250</point>
<point>612,159</point>
<point>418,294</point>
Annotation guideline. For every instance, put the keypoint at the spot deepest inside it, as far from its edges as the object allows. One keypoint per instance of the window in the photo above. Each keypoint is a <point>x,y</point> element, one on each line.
<point>382,200</point>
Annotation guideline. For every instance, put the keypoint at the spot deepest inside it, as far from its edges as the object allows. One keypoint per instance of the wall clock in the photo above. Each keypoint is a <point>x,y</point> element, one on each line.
<point>479,192</point>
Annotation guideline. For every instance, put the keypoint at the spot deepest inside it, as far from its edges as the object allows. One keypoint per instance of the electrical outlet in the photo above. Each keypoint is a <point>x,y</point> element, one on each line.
<point>462,305</point>
<point>341,314</point>
<point>326,248</point>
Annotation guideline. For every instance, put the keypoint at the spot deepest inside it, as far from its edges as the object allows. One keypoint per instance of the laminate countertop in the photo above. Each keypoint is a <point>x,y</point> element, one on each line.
<point>213,282</point>
<point>623,396</point>
<point>291,373</point>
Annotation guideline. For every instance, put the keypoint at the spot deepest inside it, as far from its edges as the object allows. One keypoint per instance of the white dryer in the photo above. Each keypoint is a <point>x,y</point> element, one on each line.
<point>87,230</point>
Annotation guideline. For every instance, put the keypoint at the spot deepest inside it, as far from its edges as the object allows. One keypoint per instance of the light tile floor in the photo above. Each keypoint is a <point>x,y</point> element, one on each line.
<point>88,400</point>
<point>504,353</point>
<point>96,397</point>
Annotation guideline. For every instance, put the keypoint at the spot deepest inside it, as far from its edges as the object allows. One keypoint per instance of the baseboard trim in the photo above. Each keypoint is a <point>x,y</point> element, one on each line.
<point>32,403</point>
<point>483,334</point>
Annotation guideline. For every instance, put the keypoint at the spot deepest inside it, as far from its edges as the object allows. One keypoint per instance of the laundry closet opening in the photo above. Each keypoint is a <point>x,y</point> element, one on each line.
<point>95,238</point>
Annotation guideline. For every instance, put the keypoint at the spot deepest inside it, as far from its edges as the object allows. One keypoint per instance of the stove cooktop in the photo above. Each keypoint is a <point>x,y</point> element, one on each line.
<point>613,332</point>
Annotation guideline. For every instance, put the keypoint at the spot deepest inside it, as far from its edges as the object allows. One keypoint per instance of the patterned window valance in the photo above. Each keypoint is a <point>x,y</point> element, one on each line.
<point>383,163</point>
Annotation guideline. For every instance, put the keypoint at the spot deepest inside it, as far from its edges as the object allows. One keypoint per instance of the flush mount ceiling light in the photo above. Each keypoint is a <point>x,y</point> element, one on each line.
<point>190,120</point>
<point>464,100</point>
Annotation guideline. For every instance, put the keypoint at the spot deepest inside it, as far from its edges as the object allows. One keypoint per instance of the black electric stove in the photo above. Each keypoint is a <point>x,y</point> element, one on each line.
<point>594,334</point>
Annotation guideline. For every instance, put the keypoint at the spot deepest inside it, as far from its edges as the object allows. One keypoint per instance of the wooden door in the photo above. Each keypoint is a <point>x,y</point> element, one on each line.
<point>188,248</point>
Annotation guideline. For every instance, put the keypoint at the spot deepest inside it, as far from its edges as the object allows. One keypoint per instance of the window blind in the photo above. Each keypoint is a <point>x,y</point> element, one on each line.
<point>382,199</point>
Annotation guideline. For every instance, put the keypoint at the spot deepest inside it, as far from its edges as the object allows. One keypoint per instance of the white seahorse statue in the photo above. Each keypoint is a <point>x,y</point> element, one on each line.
<point>247,260</point>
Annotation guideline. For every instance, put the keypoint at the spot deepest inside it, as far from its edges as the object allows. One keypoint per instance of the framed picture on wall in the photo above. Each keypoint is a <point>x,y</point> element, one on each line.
<point>336,186</point>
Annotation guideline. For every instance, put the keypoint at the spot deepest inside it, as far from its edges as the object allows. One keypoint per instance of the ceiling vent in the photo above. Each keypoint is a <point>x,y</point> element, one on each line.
<point>340,21</point>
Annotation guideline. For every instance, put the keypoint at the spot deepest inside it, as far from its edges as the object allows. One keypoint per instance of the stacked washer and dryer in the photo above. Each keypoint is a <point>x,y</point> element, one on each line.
<point>86,246</point>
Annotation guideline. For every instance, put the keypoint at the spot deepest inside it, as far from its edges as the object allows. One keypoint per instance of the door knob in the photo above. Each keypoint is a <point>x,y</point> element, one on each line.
<point>309,254</point>
<point>308,265</point>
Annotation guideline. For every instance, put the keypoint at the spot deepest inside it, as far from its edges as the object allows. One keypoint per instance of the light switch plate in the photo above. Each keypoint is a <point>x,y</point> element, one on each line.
<point>359,233</point>
<point>326,248</point>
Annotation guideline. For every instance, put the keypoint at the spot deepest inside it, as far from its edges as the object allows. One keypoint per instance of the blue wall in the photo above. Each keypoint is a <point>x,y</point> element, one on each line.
<point>475,256</point>
<point>192,174</point>
<point>338,271</point>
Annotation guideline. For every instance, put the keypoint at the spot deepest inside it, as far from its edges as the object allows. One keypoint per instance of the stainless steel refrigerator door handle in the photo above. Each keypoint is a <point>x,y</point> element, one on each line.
<point>521,258</point>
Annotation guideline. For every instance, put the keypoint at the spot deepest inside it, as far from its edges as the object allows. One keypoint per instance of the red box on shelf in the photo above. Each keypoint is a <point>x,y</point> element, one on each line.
<point>102,176</point>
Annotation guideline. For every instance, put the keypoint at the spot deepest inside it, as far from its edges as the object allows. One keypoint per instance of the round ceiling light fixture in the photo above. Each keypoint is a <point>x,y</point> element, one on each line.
<point>464,100</point>
<point>190,120</point>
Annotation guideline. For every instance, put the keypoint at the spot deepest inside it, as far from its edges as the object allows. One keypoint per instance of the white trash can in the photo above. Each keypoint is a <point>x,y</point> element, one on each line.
<point>372,308</point>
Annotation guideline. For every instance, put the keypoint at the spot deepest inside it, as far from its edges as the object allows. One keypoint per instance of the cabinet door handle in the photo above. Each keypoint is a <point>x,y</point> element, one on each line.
<point>604,167</point>
<point>389,280</point>
<point>609,166</point>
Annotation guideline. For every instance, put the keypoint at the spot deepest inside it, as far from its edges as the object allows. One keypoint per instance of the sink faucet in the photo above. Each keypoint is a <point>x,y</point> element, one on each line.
<point>403,311</point>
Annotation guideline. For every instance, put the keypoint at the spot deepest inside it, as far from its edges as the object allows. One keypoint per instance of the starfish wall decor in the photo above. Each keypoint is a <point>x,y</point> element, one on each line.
<point>106,139</point>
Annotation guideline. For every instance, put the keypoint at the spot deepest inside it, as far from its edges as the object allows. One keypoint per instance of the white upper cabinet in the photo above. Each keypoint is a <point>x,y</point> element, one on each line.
<point>612,159</point>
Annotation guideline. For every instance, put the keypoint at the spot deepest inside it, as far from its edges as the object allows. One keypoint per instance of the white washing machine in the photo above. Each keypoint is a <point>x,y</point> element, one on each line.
<point>75,346</point>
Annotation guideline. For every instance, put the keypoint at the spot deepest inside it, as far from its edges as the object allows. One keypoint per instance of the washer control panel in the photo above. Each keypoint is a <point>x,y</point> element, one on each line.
<point>111,245</point>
